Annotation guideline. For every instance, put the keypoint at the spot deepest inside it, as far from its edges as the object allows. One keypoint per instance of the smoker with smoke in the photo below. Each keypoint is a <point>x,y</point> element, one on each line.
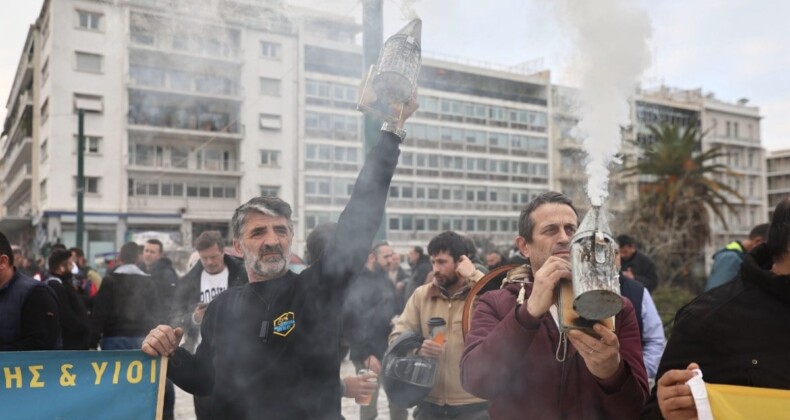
<point>596,286</point>
<point>394,77</point>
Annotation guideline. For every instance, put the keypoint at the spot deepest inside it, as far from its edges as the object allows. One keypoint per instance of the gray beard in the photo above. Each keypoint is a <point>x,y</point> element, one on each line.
<point>267,270</point>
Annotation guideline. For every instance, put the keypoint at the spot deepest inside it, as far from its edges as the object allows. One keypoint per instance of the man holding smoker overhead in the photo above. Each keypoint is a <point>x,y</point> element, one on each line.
<point>515,355</point>
<point>435,311</point>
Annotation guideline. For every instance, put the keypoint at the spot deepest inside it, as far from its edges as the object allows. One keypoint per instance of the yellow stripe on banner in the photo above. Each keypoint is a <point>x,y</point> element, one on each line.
<point>731,402</point>
<point>160,398</point>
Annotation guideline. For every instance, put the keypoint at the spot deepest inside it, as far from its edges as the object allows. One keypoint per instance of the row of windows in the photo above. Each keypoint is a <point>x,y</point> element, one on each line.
<point>330,91</point>
<point>142,154</point>
<point>160,32</point>
<point>476,113</point>
<point>333,126</point>
<point>92,186</point>
<point>461,163</point>
<point>183,81</point>
<point>477,137</point>
<point>330,153</point>
<point>412,223</point>
<point>339,187</point>
<point>155,188</point>
<point>460,193</point>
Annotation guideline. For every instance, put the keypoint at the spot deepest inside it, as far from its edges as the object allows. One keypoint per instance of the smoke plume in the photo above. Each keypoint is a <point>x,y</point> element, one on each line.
<point>611,52</point>
<point>407,8</point>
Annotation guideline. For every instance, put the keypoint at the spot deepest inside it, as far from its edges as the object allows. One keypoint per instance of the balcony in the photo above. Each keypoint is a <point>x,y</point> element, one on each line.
<point>185,46</point>
<point>178,114</point>
<point>731,141</point>
<point>188,166</point>
<point>20,152</point>
<point>18,183</point>
<point>185,84</point>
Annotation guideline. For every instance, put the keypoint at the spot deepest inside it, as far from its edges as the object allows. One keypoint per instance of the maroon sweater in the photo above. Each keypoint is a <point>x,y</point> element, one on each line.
<point>509,359</point>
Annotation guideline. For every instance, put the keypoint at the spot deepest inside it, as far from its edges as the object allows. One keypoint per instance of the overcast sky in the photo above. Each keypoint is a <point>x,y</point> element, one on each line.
<point>734,48</point>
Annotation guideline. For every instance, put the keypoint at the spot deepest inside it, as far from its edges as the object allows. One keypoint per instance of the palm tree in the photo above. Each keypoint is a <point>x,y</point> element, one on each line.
<point>678,184</point>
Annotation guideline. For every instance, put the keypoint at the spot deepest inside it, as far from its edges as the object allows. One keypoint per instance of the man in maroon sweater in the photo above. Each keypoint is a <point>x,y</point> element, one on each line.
<point>513,354</point>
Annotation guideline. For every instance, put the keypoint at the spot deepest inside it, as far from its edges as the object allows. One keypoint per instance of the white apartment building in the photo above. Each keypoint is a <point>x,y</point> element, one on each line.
<point>192,109</point>
<point>188,113</point>
<point>733,126</point>
<point>777,163</point>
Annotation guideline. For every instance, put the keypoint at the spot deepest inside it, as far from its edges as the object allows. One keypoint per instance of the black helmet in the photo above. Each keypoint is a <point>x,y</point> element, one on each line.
<point>407,378</point>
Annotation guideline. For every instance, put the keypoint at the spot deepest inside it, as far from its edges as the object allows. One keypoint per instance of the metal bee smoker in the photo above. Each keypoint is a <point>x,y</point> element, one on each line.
<point>596,285</point>
<point>394,77</point>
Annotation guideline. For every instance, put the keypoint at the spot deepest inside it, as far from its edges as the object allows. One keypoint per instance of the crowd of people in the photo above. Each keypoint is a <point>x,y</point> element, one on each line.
<point>251,339</point>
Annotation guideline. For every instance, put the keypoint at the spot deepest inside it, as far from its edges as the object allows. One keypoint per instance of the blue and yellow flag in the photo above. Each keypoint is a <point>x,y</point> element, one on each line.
<point>81,384</point>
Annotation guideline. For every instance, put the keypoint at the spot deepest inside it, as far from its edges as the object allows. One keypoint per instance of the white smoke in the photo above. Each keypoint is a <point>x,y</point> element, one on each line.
<point>407,8</point>
<point>611,53</point>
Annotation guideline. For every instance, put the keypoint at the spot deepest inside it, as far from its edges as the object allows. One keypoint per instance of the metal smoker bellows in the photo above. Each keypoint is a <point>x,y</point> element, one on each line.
<point>596,285</point>
<point>395,77</point>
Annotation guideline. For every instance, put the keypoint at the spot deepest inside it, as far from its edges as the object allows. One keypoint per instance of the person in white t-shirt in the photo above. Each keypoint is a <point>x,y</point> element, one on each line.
<point>214,273</point>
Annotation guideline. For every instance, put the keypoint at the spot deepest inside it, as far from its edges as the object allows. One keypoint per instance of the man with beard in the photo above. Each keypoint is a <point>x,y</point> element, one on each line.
<point>453,274</point>
<point>517,358</point>
<point>367,320</point>
<point>74,320</point>
<point>270,349</point>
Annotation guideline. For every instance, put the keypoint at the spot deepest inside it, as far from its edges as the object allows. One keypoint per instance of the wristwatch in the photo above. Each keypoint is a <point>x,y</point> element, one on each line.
<point>392,128</point>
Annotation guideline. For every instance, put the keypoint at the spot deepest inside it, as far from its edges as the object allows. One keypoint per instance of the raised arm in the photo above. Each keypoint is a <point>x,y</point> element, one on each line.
<point>357,226</point>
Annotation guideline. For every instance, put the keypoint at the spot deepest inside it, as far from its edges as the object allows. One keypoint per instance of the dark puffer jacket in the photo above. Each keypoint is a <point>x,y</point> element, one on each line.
<point>738,333</point>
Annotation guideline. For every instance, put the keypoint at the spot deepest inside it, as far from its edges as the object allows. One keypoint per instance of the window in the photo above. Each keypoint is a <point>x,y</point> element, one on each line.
<point>88,103</point>
<point>92,184</point>
<point>179,157</point>
<point>270,87</point>
<point>270,122</point>
<point>93,144</point>
<point>89,20</point>
<point>270,158</point>
<point>45,71</point>
<point>269,191</point>
<point>43,187</point>
<point>271,50</point>
<point>44,151</point>
<point>87,62</point>
<point>44,111</point>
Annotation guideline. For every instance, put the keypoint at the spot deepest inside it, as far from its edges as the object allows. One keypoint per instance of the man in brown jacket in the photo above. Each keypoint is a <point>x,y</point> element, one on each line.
<point>453,273</point>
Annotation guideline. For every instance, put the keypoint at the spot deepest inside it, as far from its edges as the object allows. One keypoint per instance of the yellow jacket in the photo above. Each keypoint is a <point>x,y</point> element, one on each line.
<point>428,302</point>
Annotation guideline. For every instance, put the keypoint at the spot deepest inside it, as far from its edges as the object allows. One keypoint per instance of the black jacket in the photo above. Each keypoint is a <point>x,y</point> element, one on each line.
<point>643,268</point>
<point>367,315</point>
<point>738,333</point>
<point>127,304</point>
<point>74,320</point>
<point>187,294</point>
<point>166,280</point>
<point>270,349</point>
<point>418,275</point>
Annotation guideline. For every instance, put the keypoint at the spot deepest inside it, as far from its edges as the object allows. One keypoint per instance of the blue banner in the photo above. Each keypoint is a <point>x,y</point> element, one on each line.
<point>81,384</point>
